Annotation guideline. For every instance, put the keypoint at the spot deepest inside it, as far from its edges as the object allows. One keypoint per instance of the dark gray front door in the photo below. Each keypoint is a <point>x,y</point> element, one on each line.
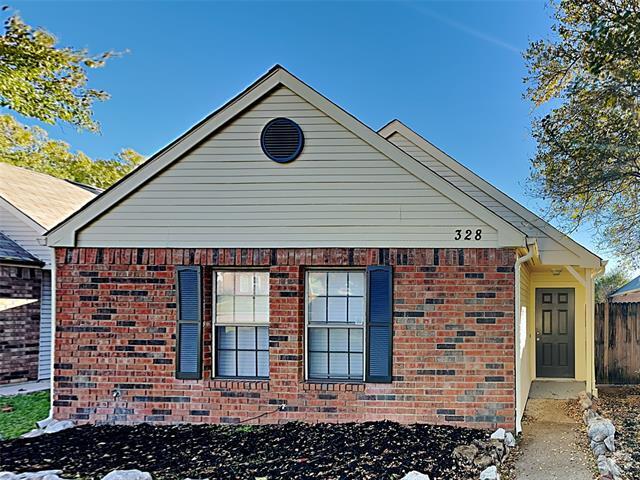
<point>555,332</point>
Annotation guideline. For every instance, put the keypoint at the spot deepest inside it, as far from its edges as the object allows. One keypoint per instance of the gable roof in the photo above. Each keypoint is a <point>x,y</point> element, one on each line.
<point>12,253</point>
<point>531,223</point>
<point>64,234</point>
<point>43,199</point>
<point>630,287</point>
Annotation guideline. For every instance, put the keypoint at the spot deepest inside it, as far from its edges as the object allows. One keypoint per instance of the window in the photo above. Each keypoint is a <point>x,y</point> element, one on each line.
<point>335,325</point>
<point>242,324</point>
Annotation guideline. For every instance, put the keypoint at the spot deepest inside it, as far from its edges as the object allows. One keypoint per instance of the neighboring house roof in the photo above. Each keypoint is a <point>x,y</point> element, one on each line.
<point>43,199</point>
<point>64,234</point>
<point>12,253</point>
<point>631,287</point>
<point>554,245</point>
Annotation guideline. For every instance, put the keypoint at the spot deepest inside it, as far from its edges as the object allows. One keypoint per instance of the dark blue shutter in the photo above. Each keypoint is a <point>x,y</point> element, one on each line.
<point>189,334</point>
<point>379,323</point>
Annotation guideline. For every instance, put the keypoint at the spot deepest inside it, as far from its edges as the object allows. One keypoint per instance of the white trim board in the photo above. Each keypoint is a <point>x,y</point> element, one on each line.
<point>64,234</point>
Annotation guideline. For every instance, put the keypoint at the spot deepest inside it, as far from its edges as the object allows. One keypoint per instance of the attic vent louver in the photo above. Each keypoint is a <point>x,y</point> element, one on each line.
<point>282,140</point>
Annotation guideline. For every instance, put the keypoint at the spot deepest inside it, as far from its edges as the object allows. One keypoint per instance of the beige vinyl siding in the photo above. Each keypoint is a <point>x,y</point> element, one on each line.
<point>551,251</point>
<point>339,192</point>
<point>44,360</point>
<point>24,235</point>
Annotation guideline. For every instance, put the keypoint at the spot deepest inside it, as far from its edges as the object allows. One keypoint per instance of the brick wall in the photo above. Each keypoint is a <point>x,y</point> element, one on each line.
<point>19,324</point>
<point>453,339</point>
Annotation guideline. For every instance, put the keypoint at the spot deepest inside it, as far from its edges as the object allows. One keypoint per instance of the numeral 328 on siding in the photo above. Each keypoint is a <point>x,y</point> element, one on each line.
<point>468,234</point>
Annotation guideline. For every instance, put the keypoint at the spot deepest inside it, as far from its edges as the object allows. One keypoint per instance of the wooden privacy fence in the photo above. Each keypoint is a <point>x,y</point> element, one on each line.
<point>617,343</point>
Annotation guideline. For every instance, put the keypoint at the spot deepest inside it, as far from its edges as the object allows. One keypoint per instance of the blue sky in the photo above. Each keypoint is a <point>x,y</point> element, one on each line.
<point>451,70</point>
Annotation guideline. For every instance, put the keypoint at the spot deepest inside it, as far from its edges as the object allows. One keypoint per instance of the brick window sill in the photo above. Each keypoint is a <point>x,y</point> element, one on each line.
<point>333,386</point>
<point>239,383</point>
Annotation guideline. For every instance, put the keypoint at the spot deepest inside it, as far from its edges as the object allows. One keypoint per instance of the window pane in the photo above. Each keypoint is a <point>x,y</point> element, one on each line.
<point>318,310</point>
<point>318,339</point>
<point>339,365</point>
<point>356,283</point>
<point>262,309</point>
<point>226,366</point>
<point>355,340</point>
<point>318,365</point>
<point>244,283</point>
<point>317,283</point>
<point>247,364</point>
<point>356,365</point>
<point>262,283</point>
<point>339,340</point>
<point>243,309</point>
<point>246,338</point>
<point>337,283</point>
<point>263,338</point>
<point>226,337</point>
<point>356,310</point>
<point>263,364</point>
<point>225,281</point>
<point>224,308</point>
<point>337,309</point>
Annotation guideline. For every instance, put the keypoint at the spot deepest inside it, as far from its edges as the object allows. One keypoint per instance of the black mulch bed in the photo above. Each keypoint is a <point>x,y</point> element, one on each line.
<point>380,450</point>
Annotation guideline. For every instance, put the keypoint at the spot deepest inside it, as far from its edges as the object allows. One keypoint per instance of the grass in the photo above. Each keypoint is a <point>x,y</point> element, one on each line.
<point>26,411</point>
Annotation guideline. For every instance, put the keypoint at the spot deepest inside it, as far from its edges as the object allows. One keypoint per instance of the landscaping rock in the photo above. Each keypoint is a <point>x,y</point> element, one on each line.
<point>127,475</point>
<point>608,468</point>
<point>588,416</point>
<point>600,428</point>
<point>498,434</point>
<point>413,475</point>
<point>598,448</point>
<point>55,426</point>
<point>44,423</point>
<point>509,440</point>
<point>7,476</point>
<point>490,473</point>
<point>586,404</point>
<point>465,453</point>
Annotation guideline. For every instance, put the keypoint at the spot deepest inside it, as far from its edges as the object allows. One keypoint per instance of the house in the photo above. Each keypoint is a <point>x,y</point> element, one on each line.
<point>629,292</point>
<point>30,204</point>
<point>282,261</point>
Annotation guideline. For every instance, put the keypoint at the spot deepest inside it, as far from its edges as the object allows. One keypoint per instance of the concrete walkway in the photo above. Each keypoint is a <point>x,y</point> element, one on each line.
<point>554,446</point>
<point>22,388</point>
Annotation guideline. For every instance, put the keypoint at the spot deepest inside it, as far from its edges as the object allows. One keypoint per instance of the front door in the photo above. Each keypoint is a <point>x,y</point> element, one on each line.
<point>555,332</point>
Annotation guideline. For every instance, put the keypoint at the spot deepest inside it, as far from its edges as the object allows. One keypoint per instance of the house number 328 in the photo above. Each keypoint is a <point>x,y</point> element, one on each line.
<point>468,234</point>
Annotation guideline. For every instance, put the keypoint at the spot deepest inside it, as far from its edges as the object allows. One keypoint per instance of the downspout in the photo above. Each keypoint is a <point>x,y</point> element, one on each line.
<point>519,262</point>
<point>53,335</point>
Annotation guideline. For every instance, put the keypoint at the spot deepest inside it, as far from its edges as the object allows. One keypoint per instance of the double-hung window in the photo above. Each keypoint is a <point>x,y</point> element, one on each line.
<point>335,312</point>
<point>241,334</point>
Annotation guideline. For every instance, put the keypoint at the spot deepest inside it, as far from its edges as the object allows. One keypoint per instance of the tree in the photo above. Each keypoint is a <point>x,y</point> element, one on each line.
<point>41,80</point>
<point>587,165</point>
<point>609,283</point>
<point>31,147</point>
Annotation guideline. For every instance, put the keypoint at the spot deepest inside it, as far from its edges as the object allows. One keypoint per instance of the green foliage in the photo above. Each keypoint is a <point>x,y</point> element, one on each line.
<point>31,147</point>
<point>609,283</point>
<point>26,410</point>
<point>587,164</point>
<point>41,80</point>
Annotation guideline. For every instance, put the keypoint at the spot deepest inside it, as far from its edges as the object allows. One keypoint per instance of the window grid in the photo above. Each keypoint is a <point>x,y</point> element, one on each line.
<point>347,325</point>
<point>238,349</point>
<point>237,324</point>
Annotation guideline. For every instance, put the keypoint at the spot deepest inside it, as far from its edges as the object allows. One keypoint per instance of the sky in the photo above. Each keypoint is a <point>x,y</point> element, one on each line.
<point>451,70</point>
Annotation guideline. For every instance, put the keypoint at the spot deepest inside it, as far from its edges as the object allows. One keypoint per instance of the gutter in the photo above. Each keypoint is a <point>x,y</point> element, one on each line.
<point>519,262</point>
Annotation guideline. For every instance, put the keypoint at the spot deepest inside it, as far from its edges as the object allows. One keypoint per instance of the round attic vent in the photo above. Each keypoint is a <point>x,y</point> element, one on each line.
<point>282,140</point>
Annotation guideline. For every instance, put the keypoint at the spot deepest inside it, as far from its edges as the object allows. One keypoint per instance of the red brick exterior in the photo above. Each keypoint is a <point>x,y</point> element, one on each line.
<point>19,326</point>
<point>453,345</point>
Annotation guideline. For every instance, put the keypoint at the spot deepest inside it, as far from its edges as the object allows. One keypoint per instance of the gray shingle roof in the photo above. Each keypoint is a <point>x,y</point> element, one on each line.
<point>11,252</point>
<point>632,286</point>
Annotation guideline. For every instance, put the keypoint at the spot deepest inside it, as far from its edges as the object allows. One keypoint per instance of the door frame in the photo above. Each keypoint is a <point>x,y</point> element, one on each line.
<point>571,354</point>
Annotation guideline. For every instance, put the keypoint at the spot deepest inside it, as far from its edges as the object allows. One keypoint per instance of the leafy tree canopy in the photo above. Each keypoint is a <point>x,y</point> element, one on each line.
<point>41,80</point>
<point>587,164</point>
<point>31,147</point>
<point>609,283</point>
